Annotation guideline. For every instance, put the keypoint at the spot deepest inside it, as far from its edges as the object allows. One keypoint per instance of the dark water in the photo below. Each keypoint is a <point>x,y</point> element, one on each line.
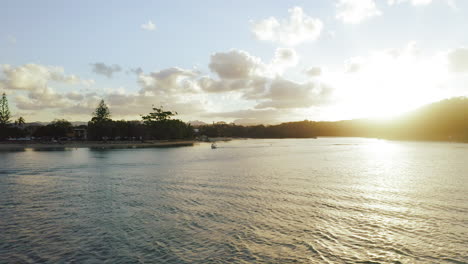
<point>329,200</point>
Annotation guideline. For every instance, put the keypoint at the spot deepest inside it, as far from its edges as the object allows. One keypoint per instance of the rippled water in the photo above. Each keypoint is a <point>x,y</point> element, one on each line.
<point>328,200</point>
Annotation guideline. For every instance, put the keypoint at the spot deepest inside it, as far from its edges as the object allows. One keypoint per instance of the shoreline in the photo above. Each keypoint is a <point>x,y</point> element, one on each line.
<point>11,146</point>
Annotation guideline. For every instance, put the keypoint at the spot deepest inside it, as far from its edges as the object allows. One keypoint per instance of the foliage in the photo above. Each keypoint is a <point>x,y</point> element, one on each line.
<point>102,113</point>
<point>303,129</point>
<point>57,129</point>
<point>4,111</point>
<point>100,126</point>
<point>158,116</point>
<point>160,125</point>
<point>156,125</point>
<point>20,121</point>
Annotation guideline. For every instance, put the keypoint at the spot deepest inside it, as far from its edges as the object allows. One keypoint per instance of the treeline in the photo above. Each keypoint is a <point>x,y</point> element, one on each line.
<point>157,125</point>
<point>304,129</point>
<point>446,120</point>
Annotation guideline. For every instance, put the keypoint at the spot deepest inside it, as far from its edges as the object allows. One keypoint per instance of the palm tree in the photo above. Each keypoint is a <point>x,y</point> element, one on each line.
<point>20,122</point>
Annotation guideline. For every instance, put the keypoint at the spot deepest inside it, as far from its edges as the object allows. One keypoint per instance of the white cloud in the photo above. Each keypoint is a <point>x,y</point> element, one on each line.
<point>242,87</point>
<point>150,26</point>
<point>35,76</point>
<point>413,2</point>
<point>33,81</point>
<point>353,65</point>
<point>298,29</point>
<point>40,99</point>
<point>168,81</point>
<point>356,11</point>
<point>240,65</point>
<point>450,3</point>
<point>284,93</point>
<point>284,58</point>
<point>313,71</point>
<point>458,60</point>
<point>236,64</point>
<point>261,83</point>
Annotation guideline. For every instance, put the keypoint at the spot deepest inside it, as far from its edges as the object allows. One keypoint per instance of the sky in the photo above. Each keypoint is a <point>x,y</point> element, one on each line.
<point>246,62</point>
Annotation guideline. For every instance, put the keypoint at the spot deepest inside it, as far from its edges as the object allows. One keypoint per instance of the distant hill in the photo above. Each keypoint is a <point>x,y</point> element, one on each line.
<point>446,120</point>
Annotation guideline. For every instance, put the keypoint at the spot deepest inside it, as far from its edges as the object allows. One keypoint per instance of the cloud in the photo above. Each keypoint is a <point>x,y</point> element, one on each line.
<point>289,94</point>
<point>240,65</point>
<point>83,107</point>
<point>75,96</point>
<point>284,58</point>
<point>298,29</point>
<point>135,104</point>
<point>313,71</point>
<point>106,70</point>
<point>150,26</point>
<point>35,76</point>
<point>261,83</point>
<point>413,2</point>
<point>353,65</point>
<point>210,85</point>
<point>33,81</point>
<point>450,3</point>
<point>40,99</point>
<point>136,71</point>
<point>458,60</point>
<point>251,86</point>
<point>238,70</point>
<point>169,81</point>
<point>235,74</point>
<point>356,11</point>
<point>236,64</point>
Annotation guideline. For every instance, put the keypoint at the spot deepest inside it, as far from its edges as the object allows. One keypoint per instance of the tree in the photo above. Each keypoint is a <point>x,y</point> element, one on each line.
<point>57,129</point>
<point>20,122</point>
<point>101,113</point>
<point>100,127</point>
<point>160,125</point>
<point>4,111</point>
<point>158,116</point>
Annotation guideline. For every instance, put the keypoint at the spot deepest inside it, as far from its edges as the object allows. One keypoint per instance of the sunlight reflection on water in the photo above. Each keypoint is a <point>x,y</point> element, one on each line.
<point>335,200</point>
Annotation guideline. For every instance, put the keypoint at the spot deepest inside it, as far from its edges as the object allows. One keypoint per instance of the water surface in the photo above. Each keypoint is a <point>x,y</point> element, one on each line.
<point>326,200</point>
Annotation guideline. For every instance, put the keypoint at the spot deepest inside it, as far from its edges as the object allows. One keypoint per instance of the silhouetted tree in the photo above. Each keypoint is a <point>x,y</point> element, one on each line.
<point>101,113</point>
<point>56,129</point>
<point>158,116</point>
<point>100,126</point>
<point>20,122</point>
<point>160,125</point>
<point>4,111</point>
